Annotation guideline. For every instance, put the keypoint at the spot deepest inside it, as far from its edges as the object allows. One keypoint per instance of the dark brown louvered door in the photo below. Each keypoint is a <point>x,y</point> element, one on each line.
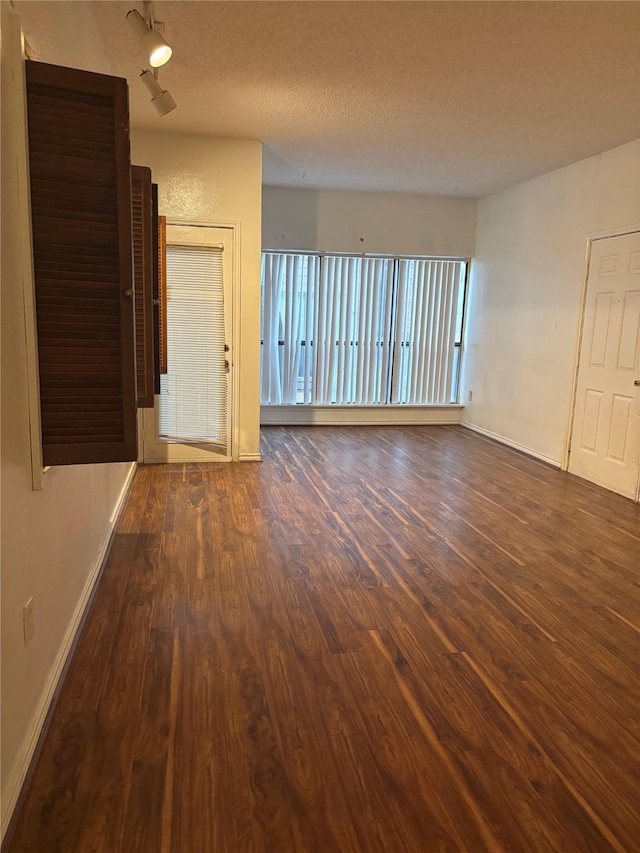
<point>81,213</point>
<point>162,293</point>
<point>156,288</point>
<point>143,275</point>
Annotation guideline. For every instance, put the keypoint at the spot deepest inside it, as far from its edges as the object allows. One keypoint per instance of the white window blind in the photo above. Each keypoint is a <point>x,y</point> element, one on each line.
<point>340,329</point>
<point>289,284</point>
<point>193,394</point>
<point>425,333</point>
<point>352,334</point>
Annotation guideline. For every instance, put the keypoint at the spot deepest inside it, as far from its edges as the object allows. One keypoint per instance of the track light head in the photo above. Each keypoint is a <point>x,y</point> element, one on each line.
<point>157,48</point>
<point>160,98</point>
<point>153,42</point>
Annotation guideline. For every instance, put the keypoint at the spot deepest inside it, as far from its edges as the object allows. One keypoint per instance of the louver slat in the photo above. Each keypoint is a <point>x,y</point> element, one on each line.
<point>143,277</point>
<point>81,218</point>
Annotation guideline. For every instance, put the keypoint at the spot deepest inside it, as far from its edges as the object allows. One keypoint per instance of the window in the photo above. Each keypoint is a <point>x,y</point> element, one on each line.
<point>354,330</point>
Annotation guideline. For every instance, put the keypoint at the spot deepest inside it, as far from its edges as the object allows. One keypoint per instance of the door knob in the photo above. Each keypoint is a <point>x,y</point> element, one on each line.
<point>636,382</point>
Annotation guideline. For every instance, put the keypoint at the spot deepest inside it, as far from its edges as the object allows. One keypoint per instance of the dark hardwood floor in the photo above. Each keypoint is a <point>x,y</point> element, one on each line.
<point>385,640</point>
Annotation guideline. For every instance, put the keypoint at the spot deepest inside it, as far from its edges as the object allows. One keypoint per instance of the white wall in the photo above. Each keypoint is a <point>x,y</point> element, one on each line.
<point>51,540</point>
<point>526,290</point>
<point>218,181</point>
<point>386,223</point>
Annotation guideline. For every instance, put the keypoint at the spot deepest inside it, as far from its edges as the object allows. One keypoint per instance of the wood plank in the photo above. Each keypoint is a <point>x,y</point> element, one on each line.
<point>148,819</point>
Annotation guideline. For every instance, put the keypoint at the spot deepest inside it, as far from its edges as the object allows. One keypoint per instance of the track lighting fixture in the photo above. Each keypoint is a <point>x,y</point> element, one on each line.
<point>153,42</point>
<point>160,98</point>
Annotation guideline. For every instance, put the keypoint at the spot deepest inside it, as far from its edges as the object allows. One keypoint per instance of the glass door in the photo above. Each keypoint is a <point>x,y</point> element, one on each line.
<point>191,419</point>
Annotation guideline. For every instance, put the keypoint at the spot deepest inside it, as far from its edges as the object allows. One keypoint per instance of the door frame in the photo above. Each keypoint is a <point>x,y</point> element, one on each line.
<point>233,335</point>
<point>591,239</point>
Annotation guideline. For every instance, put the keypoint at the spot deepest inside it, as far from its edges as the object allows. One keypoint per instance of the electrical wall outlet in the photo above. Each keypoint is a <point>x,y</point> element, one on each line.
<point>27,621</point>
<point>469,396</point>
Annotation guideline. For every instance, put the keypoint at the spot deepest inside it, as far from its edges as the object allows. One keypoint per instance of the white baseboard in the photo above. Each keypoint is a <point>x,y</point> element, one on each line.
<point>603,485</point>
<point>522,447</point>
<point>360,415</point>
<point>17,778</point>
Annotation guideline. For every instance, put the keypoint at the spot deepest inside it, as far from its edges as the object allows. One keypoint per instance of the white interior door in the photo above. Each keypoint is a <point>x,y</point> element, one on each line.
<point>606,432</point>
<point>191,418</point>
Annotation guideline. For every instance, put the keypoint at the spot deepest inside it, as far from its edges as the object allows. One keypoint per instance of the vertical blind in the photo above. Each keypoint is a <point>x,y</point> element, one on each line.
<point>426,331</point>
<point>193,392</point>
<point>362,331</point>
<point>289,284</point>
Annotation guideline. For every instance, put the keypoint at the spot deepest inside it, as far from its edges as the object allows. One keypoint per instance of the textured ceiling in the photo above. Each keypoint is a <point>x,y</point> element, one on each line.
<point>448,98</point>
